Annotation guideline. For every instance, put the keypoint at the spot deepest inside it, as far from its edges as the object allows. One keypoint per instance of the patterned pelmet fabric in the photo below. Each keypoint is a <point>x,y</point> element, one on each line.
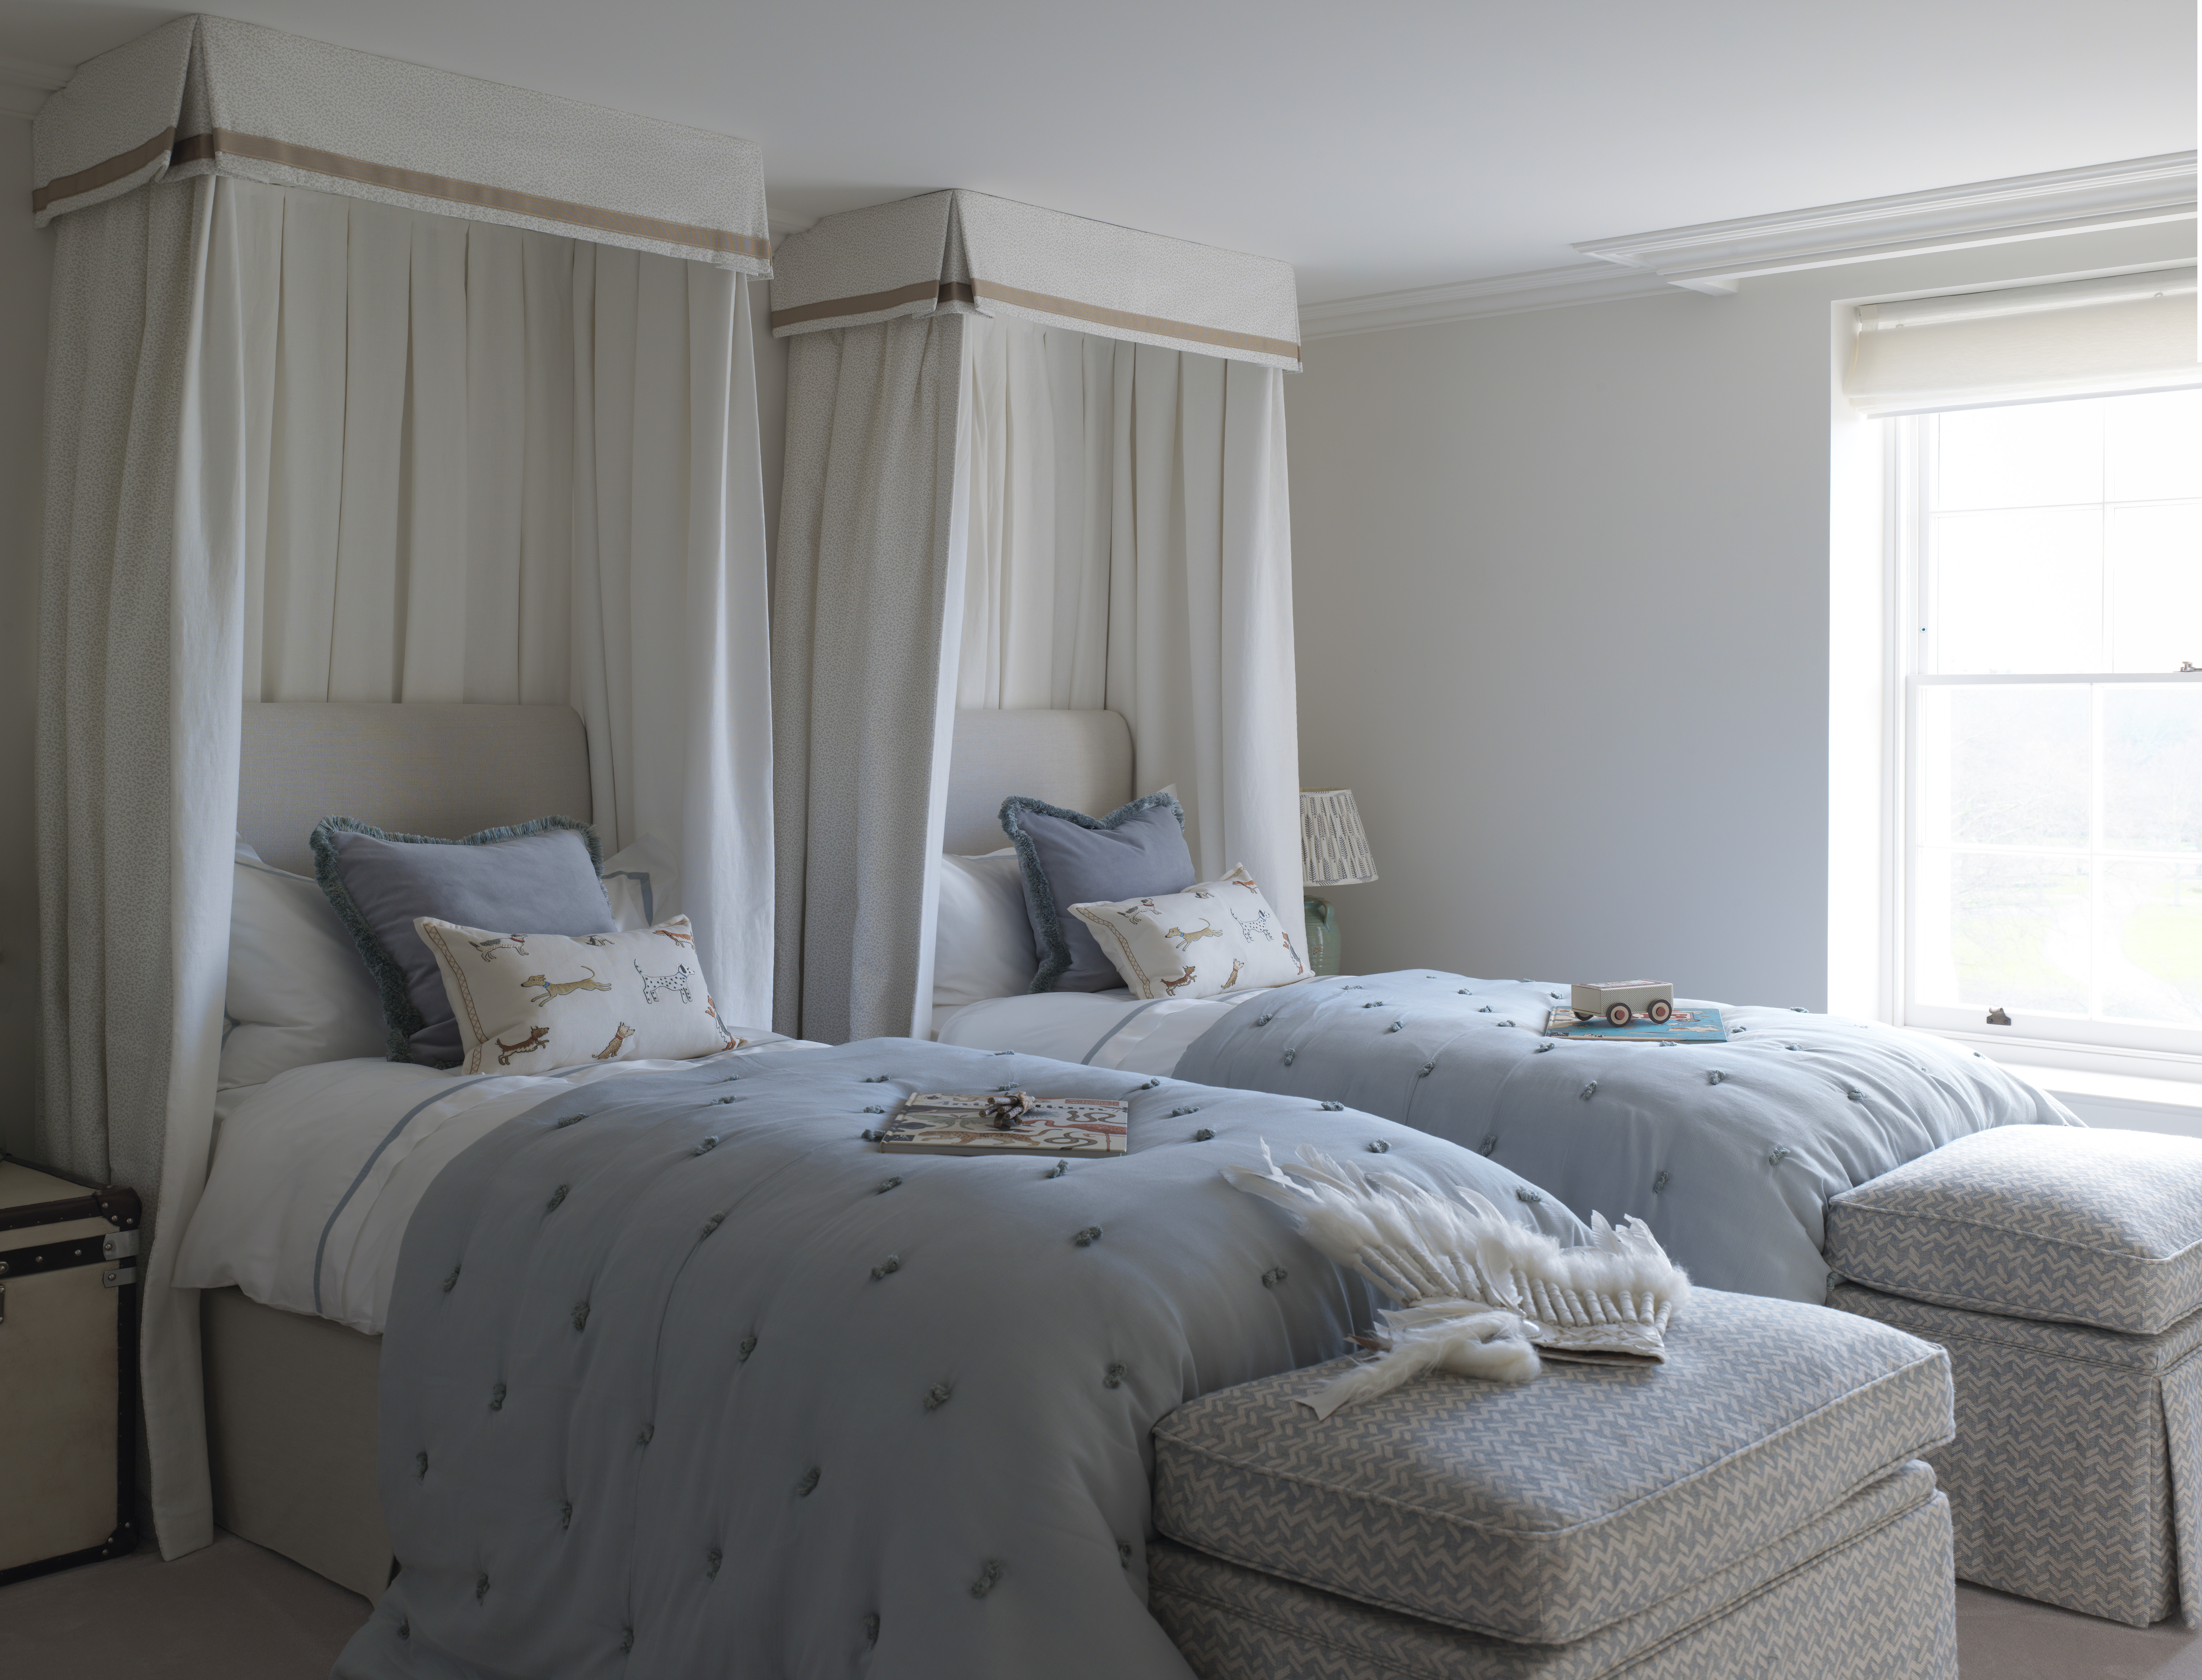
<point>1861,1593</point>
<point>2074,1475</point>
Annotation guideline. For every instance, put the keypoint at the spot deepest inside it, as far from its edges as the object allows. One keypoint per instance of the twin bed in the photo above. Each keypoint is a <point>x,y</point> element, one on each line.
<point>697,1358</point>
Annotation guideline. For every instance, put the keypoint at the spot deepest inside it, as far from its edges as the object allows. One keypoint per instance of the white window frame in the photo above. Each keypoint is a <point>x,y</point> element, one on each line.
<point>2164,1053</point>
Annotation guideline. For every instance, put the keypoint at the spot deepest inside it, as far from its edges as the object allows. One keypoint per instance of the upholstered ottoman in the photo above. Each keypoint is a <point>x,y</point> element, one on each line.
<point>2061,1268</point>
<point>1753,1506</point>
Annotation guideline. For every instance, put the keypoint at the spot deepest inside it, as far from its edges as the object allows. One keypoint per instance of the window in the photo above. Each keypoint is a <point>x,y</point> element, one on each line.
<point>2049,835</point>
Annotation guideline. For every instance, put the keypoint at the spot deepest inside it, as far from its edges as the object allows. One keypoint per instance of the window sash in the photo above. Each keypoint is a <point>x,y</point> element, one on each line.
<point>1911,465</point>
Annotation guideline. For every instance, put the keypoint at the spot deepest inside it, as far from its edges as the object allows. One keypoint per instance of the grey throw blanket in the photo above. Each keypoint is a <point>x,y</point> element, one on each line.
<point>703,1384</point>
<point>1728,1151</point>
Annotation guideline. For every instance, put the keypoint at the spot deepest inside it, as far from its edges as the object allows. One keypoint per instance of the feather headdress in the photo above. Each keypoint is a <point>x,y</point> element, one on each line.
<point>1478,1294</point>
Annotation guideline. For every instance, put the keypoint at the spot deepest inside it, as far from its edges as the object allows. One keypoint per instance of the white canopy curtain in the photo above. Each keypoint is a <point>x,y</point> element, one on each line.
<point>304,446</point>
<point>1031,461</point>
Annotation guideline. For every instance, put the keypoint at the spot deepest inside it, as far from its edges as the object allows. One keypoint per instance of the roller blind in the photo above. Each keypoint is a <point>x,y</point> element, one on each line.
<point>2120,333</point>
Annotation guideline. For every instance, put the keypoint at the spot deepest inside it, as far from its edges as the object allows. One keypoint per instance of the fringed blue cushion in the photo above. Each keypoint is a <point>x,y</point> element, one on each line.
<point>538,878</point>
<point>1136,850</point>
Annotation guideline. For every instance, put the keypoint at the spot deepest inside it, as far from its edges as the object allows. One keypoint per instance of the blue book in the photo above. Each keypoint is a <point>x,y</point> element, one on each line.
<point>1686,1026</point>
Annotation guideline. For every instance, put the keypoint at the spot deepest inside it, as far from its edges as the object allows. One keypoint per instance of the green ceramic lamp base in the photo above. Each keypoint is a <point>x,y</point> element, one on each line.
<point>1324,945</point>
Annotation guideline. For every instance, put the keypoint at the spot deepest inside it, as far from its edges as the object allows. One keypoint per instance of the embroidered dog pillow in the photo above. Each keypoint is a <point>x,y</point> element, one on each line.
<point>1216,936</point>
<point>527,1003</point>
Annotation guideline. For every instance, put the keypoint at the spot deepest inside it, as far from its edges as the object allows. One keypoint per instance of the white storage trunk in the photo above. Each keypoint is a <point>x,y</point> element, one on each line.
<point>68,1370</point>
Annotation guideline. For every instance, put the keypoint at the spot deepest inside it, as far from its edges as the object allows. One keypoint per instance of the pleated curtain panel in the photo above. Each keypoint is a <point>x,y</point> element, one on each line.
<point>366,382</point>
<point>1032,461</point>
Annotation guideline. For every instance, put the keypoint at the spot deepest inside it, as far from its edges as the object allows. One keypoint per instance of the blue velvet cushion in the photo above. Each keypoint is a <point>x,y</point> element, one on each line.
<point>1135,852</point>
<point>538,878</point>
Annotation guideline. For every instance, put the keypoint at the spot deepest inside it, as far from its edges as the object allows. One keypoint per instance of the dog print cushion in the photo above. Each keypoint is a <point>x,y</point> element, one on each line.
<point>540,874</point>
<point>527,1003</point>
<point>1215,937</point>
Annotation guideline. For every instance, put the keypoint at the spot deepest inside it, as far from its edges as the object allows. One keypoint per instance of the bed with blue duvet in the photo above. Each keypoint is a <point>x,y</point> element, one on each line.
<point>1729,1152</point>
<point>682,1375</point>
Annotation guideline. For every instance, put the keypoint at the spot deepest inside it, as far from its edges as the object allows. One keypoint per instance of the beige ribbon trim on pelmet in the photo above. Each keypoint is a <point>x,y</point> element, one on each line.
<point>196,148</point>
<point>103,174</point>
<point>1042,303</point>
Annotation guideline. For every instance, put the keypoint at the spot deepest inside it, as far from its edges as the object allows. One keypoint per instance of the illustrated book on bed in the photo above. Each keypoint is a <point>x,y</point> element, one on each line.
<point>1685,1026</point>
<point>937,1123</point>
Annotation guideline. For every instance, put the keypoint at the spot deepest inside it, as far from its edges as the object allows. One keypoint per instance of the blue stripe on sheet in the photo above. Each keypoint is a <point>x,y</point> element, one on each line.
<point>360,1177</point>
<point>1125,1022</point>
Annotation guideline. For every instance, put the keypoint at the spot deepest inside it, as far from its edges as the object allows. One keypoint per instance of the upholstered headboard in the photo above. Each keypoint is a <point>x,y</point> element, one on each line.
<point>418,768</point>
<point>1082,760</point>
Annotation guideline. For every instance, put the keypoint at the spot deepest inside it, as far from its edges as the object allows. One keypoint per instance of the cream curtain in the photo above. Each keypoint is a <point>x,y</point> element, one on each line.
<point>305,447</point>
<point>866,609</point>
<point>140,681</point>
<point>492,465</point>
<point>986,507</point>
<point>1130,549</point>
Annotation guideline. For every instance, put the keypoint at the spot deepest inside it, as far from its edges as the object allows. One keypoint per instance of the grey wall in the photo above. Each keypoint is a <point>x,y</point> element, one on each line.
<point>25,266</point>
<point>1563,594</point>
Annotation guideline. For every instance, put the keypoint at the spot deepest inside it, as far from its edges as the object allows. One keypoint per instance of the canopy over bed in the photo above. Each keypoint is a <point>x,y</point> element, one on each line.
<point>1018,261</point>
<point>1033,461</point>
<point>370,383</point>
<point>211,96</point>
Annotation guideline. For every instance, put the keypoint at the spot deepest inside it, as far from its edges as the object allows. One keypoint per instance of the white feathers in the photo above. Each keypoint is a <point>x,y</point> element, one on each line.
<point>1470,1343</point>
<point>1478,1294</point>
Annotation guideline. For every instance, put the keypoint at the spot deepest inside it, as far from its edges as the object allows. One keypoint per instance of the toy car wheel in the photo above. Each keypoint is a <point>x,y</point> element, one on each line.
<point>1661,1011</point>
<point>1618,1014</point>
<point>1582,1015</point>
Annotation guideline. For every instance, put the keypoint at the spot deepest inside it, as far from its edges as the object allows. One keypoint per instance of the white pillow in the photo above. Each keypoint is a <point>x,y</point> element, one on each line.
<point>982,945</point>
<point>528,1003</point>
<point>298,992</point>
<point>1216,936</point>
<point>642,885</point>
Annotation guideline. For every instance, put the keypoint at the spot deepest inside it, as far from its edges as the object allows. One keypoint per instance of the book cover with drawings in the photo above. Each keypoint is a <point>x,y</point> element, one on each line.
<point>1687,1026</point>
<point>940,1123</point>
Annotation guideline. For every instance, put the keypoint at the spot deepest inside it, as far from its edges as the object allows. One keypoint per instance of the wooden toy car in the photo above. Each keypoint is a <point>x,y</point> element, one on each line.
<point>1619,1000</point>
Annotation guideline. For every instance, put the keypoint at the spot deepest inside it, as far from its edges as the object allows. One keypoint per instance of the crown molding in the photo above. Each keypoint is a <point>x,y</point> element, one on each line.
<point>24,83</point>
<point>1715,257</point>
<point>1466,300</point>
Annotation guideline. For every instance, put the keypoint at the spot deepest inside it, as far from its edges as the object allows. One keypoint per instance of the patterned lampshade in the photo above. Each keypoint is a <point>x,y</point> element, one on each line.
<point>1334,849</point>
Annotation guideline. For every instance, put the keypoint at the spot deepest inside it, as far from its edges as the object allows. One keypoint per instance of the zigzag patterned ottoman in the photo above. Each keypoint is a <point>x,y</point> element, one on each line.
<point>2063,1271</point>
<point>1752,1507</point>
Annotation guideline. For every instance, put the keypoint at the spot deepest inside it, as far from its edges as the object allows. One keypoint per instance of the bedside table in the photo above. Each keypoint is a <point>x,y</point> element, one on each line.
<point>68,1370</point>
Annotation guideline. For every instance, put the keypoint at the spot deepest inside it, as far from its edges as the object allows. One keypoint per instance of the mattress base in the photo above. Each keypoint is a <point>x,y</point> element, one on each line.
<point>290,1431</point>
<point>1864,1593</point>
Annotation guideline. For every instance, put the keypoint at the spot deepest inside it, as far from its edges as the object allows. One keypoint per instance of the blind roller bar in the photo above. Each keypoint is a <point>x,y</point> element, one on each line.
<point>2026,299</point>
<point>2120,333</point>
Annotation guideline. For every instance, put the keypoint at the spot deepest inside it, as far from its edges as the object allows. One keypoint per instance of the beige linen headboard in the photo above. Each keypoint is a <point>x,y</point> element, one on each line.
<point>1080,760</point>
<point>414,767</point>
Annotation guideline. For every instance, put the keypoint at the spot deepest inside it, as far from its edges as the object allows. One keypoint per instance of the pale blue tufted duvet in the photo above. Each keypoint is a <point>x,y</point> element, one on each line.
<point>692,1387</point>
<point>1729,1152</point>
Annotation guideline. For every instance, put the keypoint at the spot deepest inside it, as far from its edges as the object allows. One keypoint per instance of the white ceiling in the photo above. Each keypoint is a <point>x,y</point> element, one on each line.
<point>1401,143</point>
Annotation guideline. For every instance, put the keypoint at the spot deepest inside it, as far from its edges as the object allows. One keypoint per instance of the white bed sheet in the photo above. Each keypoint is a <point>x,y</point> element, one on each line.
<point>1101,1030</point>
<point>316,1173</point>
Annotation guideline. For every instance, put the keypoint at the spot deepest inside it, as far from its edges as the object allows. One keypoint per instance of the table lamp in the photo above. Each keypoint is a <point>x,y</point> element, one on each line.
<point>1333,852</point>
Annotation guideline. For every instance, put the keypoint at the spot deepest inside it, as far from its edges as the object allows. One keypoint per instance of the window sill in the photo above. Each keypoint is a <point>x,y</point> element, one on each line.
<point>2128,1090</point>
<point>2125,1102</point>
<point>2150,1067</point>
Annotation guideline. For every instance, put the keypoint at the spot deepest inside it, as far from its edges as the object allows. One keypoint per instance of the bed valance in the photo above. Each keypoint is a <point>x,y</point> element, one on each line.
<point>211,96</point>
<point>969,252</point>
